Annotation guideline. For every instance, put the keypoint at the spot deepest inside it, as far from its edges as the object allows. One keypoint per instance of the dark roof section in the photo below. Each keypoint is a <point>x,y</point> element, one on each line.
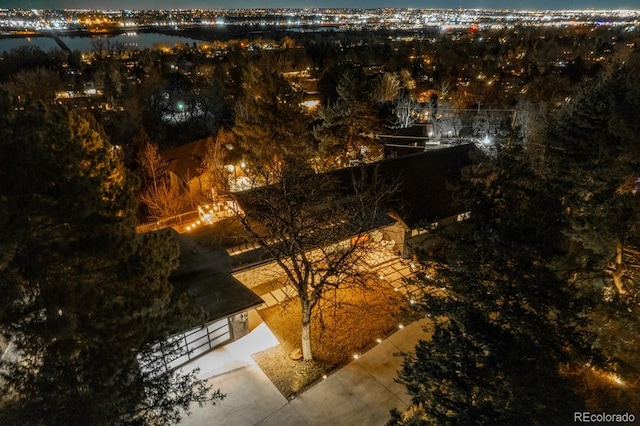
<point>204,272</point>
<point>259,255</point>
<point>424,195</point>
<point>186,160</point>
<point>419,131</point>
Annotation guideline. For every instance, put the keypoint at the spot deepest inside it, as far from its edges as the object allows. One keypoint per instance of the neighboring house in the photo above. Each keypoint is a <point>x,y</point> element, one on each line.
<point>410,140</point>
<point>185,166</point>
<point>421,137</point>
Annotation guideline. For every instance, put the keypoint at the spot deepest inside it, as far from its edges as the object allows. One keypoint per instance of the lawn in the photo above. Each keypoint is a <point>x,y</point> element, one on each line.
<point>347,322</point>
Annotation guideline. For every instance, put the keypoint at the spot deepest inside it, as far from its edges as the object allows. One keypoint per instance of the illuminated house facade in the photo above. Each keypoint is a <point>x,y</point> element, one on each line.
<point>220,280</point>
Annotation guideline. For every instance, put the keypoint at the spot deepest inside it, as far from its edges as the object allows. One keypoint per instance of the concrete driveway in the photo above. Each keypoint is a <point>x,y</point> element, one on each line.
<point>361,393</point>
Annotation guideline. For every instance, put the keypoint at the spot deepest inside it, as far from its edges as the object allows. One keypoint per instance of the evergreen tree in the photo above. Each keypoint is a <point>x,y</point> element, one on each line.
<point>545,274</point>
<point>595,164</point>
<point>80,294</point>
<point>504,320</point>
<point>345,122</point>
<point>269,121</point>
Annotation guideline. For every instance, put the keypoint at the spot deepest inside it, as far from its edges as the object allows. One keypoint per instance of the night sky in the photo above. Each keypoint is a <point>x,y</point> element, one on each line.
<point>222,4</point>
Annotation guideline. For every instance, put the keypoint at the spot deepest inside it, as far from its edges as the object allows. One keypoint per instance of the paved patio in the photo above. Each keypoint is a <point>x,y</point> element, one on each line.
<point>391,269</point>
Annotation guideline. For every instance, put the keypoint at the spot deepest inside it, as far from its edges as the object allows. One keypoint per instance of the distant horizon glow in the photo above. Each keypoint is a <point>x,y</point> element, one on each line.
<point>304,4</point>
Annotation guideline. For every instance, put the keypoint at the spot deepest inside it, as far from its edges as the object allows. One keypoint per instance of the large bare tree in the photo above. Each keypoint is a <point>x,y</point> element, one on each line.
<point>315,227</point>
<point>161,198</point>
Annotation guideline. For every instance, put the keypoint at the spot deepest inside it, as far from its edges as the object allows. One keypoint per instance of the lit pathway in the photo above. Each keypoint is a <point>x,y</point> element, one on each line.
<point>396,272</point>
<point>361,393</point>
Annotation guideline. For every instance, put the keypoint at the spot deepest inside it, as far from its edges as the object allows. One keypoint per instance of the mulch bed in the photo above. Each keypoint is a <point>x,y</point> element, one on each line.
<point>347,322</point>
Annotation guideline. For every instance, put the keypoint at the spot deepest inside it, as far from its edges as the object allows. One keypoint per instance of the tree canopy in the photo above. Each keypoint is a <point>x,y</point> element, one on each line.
<point>314,226</point>
<point>595,161</point>
<point>269,121</point>
<point>538,290</point>
<point>503,320</point>
<point>81,294</point>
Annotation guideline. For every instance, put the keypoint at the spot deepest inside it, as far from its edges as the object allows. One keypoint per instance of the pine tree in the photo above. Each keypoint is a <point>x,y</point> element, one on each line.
<point>345,121</point>
<point>504,322</point>
<point>81,295</point>
<point>595,163</point>
<point>269,121</point>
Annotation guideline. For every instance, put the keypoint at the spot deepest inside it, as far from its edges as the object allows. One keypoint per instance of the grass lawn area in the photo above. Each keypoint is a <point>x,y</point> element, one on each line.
<point>347,322</point>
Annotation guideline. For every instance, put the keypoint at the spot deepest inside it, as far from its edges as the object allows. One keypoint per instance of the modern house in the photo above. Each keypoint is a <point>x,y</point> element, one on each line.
<point>424,199</point>
<point>220,280</point>
<point>185,166</point>
<point>422,202</point>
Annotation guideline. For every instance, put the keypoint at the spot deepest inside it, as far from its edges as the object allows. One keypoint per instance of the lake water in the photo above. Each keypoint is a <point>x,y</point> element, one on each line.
<point>85,44</point>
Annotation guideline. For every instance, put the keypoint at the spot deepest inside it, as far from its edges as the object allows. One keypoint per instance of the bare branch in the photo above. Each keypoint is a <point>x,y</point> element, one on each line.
<point>315,227</point>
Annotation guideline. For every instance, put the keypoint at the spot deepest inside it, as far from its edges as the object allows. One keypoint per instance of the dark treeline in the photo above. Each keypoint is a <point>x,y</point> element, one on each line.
<point>238,88</point>
<point>492,68</point>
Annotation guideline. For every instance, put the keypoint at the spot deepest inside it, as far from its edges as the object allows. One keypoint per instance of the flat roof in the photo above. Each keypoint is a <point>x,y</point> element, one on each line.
<point>258,255</point>
<point>205,273</point>
<point>425,181</point>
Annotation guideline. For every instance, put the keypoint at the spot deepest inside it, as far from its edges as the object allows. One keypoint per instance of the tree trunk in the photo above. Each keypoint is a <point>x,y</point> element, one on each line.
<point>350,139</point>
<point>619,269</point>
<point>306,331</point>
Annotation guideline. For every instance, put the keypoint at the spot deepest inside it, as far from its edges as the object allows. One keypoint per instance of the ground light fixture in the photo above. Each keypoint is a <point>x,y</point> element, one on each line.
<point>616,379</point>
